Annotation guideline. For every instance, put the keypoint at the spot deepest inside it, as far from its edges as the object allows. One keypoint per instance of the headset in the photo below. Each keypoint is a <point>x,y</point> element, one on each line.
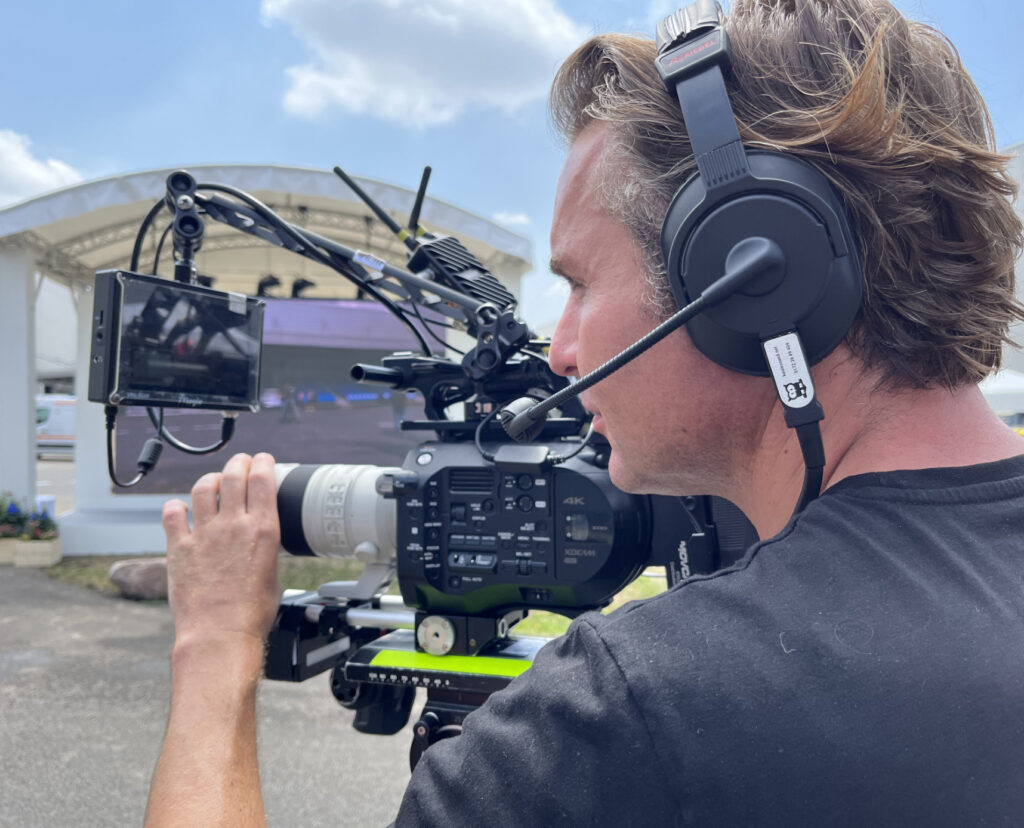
<point>758,250</point>
<point>735,195</point>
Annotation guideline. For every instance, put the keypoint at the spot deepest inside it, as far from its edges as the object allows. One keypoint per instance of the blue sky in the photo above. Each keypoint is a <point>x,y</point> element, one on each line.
<point>381,87</point>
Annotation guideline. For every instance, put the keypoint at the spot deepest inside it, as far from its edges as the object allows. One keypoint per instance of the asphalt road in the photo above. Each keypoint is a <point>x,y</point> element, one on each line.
<point>84,694</point>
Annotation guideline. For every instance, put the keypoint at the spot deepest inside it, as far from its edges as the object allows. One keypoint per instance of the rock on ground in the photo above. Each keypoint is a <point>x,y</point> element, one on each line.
<point>141,578</point>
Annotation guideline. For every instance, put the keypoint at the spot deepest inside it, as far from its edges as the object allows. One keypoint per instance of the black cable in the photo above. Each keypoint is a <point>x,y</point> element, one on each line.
<point>479,431</point>
<point>227,430</point>
<point>160,247</point>
<point>809,436</point>
<point>557,459</point>
<point>311,248</point>
<point>427,327</point>
<point>262,209</point>
<point>369,288</point>
<point>554,459</point>
<point>141,235</point>
<point>811,489</point>
<point>147,458</point>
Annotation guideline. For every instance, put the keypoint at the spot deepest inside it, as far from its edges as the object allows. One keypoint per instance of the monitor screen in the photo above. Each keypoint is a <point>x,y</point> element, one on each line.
<point>181,344</point>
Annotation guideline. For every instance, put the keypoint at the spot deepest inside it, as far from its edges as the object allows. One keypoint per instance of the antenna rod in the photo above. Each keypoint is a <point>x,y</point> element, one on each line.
<point>392,225</point>
<point>414,217</point>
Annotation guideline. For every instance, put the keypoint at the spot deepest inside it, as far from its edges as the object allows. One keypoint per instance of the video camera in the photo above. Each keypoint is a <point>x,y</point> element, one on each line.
<point>478,530</point>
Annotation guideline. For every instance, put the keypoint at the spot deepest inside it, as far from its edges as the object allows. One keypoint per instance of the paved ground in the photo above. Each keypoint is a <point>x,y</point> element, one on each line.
<point>84,691</point>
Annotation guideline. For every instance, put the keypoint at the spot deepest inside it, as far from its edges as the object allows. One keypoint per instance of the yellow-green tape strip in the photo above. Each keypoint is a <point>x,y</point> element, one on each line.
<point>479,665</point>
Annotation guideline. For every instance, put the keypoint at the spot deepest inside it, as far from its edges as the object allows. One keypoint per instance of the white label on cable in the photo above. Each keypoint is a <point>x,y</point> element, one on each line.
<point>789,369</point>
<point>369,260</point>
<point>236,302</point>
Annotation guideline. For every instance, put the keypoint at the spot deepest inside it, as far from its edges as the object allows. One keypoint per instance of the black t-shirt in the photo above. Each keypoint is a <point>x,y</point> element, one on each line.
<point>863,667</point>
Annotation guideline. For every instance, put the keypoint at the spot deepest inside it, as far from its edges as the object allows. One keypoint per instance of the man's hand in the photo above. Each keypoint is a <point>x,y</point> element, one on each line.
<point>222,578</point>
<point>223,572</point>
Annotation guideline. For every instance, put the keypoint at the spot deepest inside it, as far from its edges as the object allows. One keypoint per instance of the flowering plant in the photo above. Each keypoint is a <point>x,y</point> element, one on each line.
<point>40,526</point>
<point>12,518</point>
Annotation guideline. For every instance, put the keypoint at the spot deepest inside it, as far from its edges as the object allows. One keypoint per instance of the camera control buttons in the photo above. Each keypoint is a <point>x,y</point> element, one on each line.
<point>471,560</point>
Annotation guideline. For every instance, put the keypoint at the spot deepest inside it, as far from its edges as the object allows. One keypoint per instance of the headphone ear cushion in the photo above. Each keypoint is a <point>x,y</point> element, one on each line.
<point>817,291</point>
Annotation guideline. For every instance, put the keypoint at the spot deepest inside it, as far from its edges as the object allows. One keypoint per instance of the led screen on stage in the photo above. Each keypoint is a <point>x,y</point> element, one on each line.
<point>311,409</point>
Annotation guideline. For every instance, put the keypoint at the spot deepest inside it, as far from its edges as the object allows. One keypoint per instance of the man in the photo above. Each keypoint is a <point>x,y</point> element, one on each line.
<point>864,664</point>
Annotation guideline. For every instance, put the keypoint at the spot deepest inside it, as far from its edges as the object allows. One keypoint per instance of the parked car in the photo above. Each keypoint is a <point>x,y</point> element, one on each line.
<point>55,424</point>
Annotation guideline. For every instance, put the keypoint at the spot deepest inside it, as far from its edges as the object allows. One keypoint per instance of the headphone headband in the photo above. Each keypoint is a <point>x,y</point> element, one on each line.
<point>735,196</point>
<point>693,58</point>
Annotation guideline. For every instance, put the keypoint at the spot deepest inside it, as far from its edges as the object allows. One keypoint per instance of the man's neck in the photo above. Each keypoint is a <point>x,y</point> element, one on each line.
<point>870,430</point>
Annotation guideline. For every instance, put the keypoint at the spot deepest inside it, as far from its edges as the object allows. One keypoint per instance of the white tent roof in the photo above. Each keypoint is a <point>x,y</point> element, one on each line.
<point>93,225</point>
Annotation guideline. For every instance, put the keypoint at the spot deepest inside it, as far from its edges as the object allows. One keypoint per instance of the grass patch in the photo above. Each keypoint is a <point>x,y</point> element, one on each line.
<point>92,572</point>
<point>549,624</point>
<point>308,573</point>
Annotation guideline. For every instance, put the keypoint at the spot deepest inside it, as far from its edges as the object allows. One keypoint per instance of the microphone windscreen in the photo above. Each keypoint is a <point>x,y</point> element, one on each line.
<point>519,423</point>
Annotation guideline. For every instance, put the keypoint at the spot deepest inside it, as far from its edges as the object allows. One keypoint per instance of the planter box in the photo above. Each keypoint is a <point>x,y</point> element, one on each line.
<point>7,550</point>
<point>37,552</point>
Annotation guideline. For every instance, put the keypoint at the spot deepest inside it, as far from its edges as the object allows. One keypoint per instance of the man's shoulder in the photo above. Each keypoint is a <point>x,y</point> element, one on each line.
<point>871,576</point>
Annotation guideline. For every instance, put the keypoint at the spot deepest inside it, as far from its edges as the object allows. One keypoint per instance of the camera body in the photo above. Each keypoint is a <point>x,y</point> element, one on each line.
<point>476,543</point>
<point>482,538</point>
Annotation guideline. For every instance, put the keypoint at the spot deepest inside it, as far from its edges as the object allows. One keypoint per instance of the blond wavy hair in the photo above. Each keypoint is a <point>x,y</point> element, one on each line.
<point>884,108</point>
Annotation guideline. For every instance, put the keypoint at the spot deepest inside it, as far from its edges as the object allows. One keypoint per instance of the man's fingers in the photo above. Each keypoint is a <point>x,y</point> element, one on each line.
<point>204,497</point>
<point>262,494</point>
<point>234,483</point>
<point>175,519</point>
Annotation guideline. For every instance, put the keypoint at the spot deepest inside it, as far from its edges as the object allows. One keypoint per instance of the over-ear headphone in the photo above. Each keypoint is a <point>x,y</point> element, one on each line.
<point>736,195</point>
<point>757,246</point>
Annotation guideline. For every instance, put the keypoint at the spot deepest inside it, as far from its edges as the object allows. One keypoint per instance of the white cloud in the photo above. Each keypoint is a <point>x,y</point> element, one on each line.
<point>422,63</point>
<point>23,175</point>
<point>512,219</point>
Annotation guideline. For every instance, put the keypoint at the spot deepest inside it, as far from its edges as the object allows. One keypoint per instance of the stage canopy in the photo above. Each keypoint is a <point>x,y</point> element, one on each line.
<point>67,235</point>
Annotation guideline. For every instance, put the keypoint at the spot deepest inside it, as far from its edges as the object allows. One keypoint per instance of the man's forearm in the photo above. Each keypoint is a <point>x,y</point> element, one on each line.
<point>208,772</point>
